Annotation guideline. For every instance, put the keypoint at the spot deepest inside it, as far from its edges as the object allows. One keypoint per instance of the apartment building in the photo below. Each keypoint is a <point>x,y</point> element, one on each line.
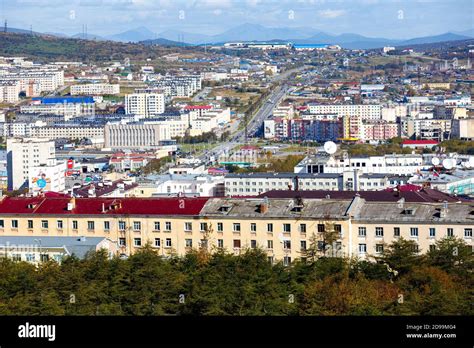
<point>365,111</point>
<point>178,86</point>
<point>9,91</point>
<point>253,184</point>
<point>95,89</point>
<point>68,107</point>
<point>67,131</point>
<point>145,104</point>
<point>23,155</point>
<point>283,227</point>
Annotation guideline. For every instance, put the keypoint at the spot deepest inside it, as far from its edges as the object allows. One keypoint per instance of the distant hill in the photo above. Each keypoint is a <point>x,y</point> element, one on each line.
<point>134,35</point>
<point>46,48</point>
<point>433,39</point>
<point>165,42</point>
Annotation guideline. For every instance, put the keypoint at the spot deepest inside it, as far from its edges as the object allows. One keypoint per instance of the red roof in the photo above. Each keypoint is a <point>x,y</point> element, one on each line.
<point>198,107</point>
<point>94,206</point>
<point>420,142</point>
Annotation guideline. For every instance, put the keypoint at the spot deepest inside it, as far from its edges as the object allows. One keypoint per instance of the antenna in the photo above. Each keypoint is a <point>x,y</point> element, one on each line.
<point>5,29</point>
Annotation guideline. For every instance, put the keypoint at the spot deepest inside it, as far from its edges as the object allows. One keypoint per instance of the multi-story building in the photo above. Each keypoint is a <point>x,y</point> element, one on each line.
<point>145,104</point>
<point>364,111</point>
<point>95,89</point>
<point>9,91</point>
<point>25,154</point>
<point>68,107</point>
<point>283,224</point>
<point>178,86</point>
<point>137,136</point>
<point>303,129</point>
<point>253,184</point>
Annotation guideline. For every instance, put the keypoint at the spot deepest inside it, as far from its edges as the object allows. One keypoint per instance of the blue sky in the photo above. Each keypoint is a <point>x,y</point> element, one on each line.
<point>375,18</point>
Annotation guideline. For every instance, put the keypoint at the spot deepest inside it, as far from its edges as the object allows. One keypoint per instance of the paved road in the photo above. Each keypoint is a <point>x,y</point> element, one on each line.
<point>265,111</point>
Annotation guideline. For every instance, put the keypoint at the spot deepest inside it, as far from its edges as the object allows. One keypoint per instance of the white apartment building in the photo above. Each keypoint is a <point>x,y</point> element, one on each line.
<point>137,136</point>
<point>48,177</point>
<point>388,164</point>
<point>67,131</point>
<point>145,104</point>
<point>47,80</point>
<point>253,184</point>
<point>9,91</point>
<point>68,110</point>
<point>95,89</point>
<point>189,185</point>
<point>25,154</point>
<point>365,111</point>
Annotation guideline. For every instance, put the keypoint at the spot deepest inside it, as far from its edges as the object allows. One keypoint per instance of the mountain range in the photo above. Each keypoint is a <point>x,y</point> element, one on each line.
<point>256,32</point>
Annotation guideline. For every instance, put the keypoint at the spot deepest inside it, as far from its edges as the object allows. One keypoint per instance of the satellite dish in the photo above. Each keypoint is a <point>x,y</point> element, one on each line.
<point>330,147</point>
<point>448,163</point>
<point>435,161</point>
<point>471,162</point>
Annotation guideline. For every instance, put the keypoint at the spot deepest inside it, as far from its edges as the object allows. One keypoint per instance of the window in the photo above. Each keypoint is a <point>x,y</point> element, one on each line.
<point>157,243</point>
<point>189,243</point>
<point>220,227</point>
<point>156,226</point>
<point>30,224</point>
<point>303,245</point>
<point>106,225</point>
<point>396,231</point>
<point>203,227</point>
<point>122,225</point>
<point>75,225</point>
<point>270,228</point>
<point>220,243</point>
<point>270,244</point>
<point>204,243</point>
<point>137,226</point>
<point>270,259</point>
<point>287,261</point>
<point>44,224</point>
<point>137,242</point>
<point>122,242</point>
<point>432,232</point>
<point>416,248</point>
<point>303,228</point>
<point>168,242</point>
<point>188,226</point>
<point>414,231</point>
<point>168,226</point>
<point>432,247</point>
<point>379,231</point>
<point>450,232</point>
<point>468,233</point>
<point>321,228</point>
<point>236,227</point>
<point>287,228</point>
<point>362,248</point>
<point>16,257</point>
<point>237,243</point>
<point>2,224</point>
<point>90,225</point>
<point>30,257</point>
<point>287,244</point>
<point>338,228</point>
<point>379,248</point>
<point>44,257</point>
<point>59,223</point>
<point>253,227</point>
<point>14,223</point>
<point>253,243</point>
<point>362,231</point>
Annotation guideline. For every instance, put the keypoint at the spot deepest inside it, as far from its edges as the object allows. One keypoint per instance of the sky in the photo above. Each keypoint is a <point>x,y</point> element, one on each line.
<point>397,19</point>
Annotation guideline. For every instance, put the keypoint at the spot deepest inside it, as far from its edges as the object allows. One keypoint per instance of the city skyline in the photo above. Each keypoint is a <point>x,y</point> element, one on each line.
<point>373,18</point>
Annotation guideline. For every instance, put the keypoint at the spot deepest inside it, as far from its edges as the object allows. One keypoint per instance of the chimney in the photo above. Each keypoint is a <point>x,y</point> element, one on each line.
<point>263,207</point>
<point>72,204</point>
<point>401,203</point>
<point>444,211</point>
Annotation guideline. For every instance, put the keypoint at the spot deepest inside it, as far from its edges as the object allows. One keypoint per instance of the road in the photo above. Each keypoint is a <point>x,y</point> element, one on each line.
<point>265,111</point>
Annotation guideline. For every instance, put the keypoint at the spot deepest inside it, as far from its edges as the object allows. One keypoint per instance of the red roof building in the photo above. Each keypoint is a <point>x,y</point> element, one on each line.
<point>102,206</point>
